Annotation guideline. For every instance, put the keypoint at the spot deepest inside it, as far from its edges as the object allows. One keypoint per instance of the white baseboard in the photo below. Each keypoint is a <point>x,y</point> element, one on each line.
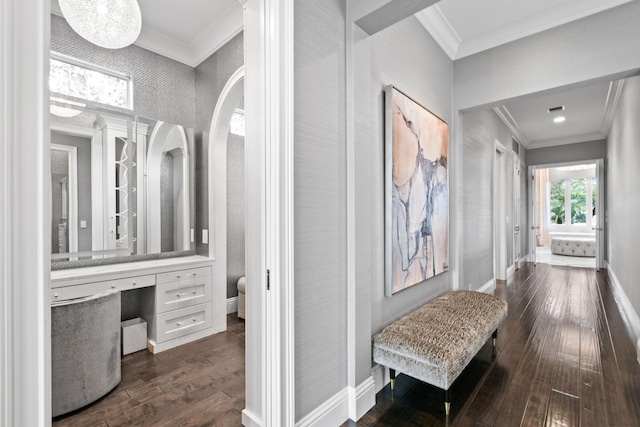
<point>336,410</point>
<point>362,398</point>
<point>625,307</point>
<point>333,412</point>
<point>380,376</point>
<point>489,287</point>
<point>232,305</point>
<point>249,419</point>
<point>510,271</point>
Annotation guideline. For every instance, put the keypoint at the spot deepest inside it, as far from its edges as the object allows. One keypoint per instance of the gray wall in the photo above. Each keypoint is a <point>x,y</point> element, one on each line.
<point>210,78</point>
<point>590,150</point>
<point>406,56</point>
<point>479,131</point>
<point>235,213</point>
<point>163,89</point>
<point>320,203</point>
<point>84,186</point>
<point>623,197</point>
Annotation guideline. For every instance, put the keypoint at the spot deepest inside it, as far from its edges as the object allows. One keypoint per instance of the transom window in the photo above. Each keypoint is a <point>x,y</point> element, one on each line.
<point>79,79</point>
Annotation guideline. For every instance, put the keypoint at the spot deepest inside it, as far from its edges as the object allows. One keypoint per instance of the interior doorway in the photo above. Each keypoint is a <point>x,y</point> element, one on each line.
<point>500,213</point>
<point>567,212</point>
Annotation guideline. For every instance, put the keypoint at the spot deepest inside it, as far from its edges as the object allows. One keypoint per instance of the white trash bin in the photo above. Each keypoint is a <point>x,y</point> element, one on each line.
<point>134,335</point>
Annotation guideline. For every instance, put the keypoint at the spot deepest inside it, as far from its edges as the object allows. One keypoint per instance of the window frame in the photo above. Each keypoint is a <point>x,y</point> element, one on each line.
<point>99,69</point>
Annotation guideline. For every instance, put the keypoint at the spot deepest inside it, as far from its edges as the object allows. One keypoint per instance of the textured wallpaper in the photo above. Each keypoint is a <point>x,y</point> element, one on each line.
<point>163,89</point>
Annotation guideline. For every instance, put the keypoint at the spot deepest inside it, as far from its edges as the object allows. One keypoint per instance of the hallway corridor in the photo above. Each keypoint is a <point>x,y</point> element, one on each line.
<point>564,359</point>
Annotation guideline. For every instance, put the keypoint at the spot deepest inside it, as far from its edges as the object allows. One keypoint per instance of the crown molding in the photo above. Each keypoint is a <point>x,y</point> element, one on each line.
<point>511,123</point>
<point>561,14</point>
<point>440,29</point>
<point>592,136</point>
<point>613,96</point>
<point>225,27</point>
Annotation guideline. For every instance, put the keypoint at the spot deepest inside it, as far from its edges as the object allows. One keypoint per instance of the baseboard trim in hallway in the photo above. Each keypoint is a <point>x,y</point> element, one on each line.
<point>629,314</point>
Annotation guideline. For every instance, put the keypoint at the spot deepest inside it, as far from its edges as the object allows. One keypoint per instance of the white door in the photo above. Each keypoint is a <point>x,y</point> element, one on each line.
<point>500,224</point>
<point>533,217</point>
<point>516,212</point>
<point>600,222</point>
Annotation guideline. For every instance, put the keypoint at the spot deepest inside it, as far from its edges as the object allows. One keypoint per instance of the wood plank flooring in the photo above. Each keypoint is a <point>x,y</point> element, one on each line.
<point>198,384</point>
<point>564,359</point>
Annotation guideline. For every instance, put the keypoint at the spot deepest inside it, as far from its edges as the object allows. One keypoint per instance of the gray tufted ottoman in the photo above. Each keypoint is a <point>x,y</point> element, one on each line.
<point>435,342</point>
<point>573,246</point>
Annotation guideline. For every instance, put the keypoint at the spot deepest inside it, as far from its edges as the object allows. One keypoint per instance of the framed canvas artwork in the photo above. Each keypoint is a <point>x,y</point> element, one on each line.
<point>416,193</point>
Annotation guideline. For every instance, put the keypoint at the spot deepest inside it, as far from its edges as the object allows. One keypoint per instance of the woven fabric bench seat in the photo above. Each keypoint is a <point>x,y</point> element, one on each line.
<point>435,342</point>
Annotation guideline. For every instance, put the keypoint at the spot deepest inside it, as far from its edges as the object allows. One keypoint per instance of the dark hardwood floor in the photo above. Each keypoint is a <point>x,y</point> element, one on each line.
<point>564,359</point>
<point>198,384</point>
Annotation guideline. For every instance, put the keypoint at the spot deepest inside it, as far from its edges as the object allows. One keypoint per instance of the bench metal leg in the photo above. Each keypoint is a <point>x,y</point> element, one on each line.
<point>447,402</point>
<point>392,376</point>
<point>495,342</point>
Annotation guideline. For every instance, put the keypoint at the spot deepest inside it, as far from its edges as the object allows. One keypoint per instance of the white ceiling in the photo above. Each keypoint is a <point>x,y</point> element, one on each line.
<point>466,27</point>
<point>190,31</point>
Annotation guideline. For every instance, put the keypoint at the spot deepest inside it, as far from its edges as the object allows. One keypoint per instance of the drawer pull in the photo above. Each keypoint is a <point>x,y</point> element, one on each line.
<point>178,276</point>
<point>194,319</point>
<point>55,296</point>
<point>182,294</point>
<point>133,283</point>
<point>113,286</point>
<point>179,323</point>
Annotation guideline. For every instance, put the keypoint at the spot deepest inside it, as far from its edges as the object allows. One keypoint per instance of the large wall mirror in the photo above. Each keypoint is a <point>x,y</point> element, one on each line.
<point>122,186</point>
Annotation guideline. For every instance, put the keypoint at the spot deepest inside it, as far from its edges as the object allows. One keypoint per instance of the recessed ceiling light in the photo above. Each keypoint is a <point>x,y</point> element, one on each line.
<point>559,119</point>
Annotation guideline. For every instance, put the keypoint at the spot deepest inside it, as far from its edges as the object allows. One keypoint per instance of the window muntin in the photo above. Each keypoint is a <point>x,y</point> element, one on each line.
<point>86,81</point>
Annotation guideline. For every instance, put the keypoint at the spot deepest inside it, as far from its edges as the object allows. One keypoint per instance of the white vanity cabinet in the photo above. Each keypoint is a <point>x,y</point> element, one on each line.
<point>178,306</point>
<point>178,299</point>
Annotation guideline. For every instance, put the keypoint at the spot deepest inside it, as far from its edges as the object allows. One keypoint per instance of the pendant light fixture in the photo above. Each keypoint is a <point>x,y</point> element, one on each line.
<point>112,24</point>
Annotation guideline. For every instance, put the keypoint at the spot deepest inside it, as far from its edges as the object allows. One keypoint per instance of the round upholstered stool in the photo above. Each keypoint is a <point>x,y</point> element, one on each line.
<point>242,282</point>
<point>85,350</point>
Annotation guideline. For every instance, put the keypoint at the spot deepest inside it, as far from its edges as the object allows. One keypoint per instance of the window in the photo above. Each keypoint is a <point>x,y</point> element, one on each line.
<point>579,201</point>
<point>557,201</point>
<point>572,197</point>
<point>72,77</point>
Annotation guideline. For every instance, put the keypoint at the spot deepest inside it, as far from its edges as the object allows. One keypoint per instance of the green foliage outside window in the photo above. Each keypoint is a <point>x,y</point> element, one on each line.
<point>578,201</point>
<point>557,202</point>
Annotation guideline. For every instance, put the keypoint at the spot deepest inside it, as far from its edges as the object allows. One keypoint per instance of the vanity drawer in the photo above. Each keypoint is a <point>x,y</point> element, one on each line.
<point>184,276</point>
<point>184,321</point>
<point>174,295</point>
<point>88,289</point>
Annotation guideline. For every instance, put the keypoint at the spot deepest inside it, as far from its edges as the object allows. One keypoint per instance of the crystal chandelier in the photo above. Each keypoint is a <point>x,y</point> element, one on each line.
<point>111,24</point>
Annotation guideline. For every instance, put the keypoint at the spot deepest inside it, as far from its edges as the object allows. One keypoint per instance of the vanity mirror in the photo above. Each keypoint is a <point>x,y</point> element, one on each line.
<point>122,187</point>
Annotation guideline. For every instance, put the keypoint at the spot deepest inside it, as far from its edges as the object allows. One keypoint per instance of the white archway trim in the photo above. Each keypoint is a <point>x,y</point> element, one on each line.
<point>168,138</point>
<point>217,188</point>
<point>72,197</point>
<point>218,135</point>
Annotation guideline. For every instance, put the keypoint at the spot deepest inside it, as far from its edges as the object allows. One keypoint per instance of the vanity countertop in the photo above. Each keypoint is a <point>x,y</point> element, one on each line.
<point>78,276</point>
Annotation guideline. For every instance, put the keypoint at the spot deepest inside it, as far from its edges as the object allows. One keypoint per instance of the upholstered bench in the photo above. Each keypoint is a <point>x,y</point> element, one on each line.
<point>573,246</point>
<point>435,342</point>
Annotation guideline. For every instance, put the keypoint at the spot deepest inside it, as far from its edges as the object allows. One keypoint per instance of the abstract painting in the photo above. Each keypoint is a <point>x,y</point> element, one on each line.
<point>416,193</point>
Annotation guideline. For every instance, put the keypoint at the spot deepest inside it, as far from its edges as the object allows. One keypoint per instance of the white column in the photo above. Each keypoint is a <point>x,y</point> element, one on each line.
<point>25,233</point>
